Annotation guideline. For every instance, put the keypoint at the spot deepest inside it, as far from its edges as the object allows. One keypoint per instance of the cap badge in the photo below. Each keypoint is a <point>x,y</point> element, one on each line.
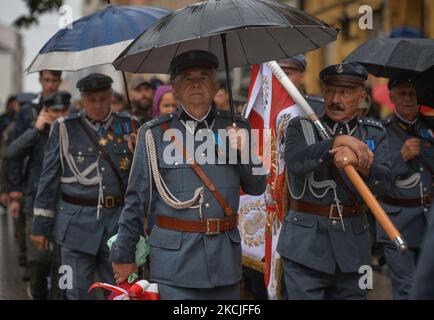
<point>339,68</point>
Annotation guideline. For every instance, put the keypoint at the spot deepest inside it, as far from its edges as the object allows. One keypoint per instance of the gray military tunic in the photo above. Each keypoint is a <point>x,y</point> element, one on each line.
<point>410,180</point>
<point>317,246</point>
<point>185,259</point>
<point>81,230</point>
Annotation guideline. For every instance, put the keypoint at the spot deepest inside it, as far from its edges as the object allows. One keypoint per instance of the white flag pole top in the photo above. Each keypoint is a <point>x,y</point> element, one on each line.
<point>298,98</point>
<point>291,88</point>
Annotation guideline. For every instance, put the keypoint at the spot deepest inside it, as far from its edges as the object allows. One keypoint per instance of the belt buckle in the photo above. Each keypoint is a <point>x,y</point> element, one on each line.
<point>208,226</point>
<point>109,202</point>
<point>332,209</point>
<point>426,200</point>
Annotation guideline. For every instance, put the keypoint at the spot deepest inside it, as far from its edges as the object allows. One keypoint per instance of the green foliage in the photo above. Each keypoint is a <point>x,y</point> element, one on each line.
<point>35,9</point>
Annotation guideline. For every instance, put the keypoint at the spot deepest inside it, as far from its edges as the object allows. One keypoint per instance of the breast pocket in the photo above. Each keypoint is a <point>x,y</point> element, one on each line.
<point>83,156</point>
<point>122,158</point>
<point>301,219</point>
<point>172,174</point>
<point>165,239</point>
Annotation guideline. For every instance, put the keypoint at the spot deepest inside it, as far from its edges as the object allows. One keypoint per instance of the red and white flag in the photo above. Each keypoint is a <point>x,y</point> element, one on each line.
<point>269,109</point>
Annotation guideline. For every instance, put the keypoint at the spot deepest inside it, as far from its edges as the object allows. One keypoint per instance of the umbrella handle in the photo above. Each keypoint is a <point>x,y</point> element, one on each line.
<point>228,79</point>
<point>366,194</point>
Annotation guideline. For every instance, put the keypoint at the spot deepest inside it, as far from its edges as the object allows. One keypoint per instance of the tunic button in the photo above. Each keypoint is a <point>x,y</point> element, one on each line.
<point>321,161</point>
<point>421,169</point>
<point>425,210</point>
<point>103,187</point>
<point>102,169</point>
<point>376,183</point>
<point>207,205</point>
<point>176,163</point>
<point>295,219</point>
<point>334,222</point>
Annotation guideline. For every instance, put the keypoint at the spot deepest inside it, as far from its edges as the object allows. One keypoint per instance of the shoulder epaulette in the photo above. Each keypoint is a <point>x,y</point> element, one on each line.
<point>371,122</point>
<point>227,115</point>
<point>69,117</point>
<point>315,98</point>
<point>157,121</point>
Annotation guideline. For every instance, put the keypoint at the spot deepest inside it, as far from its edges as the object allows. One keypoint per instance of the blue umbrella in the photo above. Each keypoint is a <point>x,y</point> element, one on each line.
<point>95,39</point>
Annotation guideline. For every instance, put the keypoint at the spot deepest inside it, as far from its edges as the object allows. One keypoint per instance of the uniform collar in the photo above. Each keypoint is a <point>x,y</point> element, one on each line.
<point>105,123</point>
<point>341,128</point>
<point>408,126</point>
<point>188,120</point>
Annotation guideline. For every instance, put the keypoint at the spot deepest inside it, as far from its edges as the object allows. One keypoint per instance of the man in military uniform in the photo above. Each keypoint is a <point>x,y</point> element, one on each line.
<point>17,171</point>
<point>50,81</point>
<point>325,237</point>
<point>411,140</point>
<point>87,161</point>
<point>295,69</point>
<point>31,144</point>
<point>195,243</point>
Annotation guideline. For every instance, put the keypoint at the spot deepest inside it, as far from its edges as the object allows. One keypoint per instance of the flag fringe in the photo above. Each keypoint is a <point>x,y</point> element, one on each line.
<point>253,264</point>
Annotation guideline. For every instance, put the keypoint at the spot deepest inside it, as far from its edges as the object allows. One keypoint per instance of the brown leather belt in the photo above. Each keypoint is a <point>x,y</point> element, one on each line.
<point>330,211</point>
<point>207,226</point>
<point>419,202</point>
<point>109,201</point>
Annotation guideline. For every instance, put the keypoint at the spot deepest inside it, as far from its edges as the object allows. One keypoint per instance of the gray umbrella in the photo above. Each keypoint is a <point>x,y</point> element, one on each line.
<point>392,57</point>
<point>238,32</point>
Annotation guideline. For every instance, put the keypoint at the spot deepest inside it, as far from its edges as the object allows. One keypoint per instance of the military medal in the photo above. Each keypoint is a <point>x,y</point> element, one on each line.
<point>110,135</point>
<point>124,163</point>
<point>102,141</point>
<point>118,133</point>
<point>371,144</point>
<point>127,127</point>
<point>80,159</point>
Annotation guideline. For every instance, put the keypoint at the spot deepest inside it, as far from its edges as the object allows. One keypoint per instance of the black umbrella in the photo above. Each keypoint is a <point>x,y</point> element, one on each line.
<point>424,83</point>
<point>391,57</point>
<point>238,32</point>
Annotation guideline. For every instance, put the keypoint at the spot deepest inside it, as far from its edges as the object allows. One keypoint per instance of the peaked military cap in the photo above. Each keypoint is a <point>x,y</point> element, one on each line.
<point>296,62</point>
<point>193,59</point>
<point>94,82</point>
<point>393,82</point>
<point>58,100</point>
<point>347,74</point>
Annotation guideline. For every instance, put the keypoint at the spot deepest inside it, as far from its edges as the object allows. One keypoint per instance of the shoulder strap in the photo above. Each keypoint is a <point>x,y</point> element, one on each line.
<point>104,154</point>
<point>200,173</point>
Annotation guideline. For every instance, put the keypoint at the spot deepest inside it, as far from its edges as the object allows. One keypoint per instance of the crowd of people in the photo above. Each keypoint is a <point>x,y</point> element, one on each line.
<point>74,177</point>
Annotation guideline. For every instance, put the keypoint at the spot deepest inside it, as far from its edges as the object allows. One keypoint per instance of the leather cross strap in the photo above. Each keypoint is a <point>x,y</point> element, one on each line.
<point>105,155</point>
<point>200,173</point>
